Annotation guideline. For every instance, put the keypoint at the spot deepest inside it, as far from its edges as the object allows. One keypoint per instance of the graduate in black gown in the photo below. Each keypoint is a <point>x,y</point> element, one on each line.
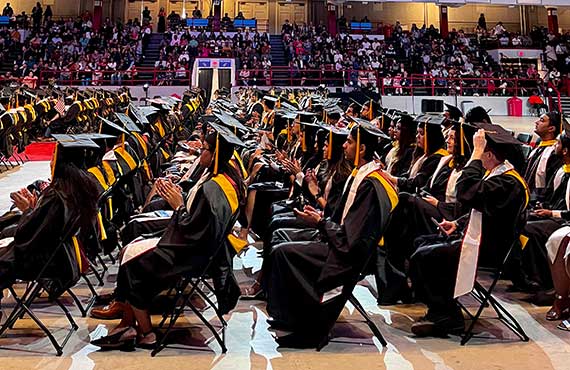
<point>497,200</point>
<point>399,158</point>
<point>301,278</point>
<point>415,212</point>
<point>430,142</point>
<point>198,226</point>
<point>549,216</point>
<point>543,162</point>
<point>64,208</point>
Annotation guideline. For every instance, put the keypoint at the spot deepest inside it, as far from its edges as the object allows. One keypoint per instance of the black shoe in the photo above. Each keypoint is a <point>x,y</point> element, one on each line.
<point>104,299</point>
<point>403,296</point>
<point>117,341</point>
<point>302,341</point>
<point>442,327</point>
<point>279,325</point>
<point>543,298</point>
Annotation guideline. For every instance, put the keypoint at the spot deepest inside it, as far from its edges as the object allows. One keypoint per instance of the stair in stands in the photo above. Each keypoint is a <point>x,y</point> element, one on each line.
<point>564,102</point>
<point>278,59</point>
<point>151,55</point>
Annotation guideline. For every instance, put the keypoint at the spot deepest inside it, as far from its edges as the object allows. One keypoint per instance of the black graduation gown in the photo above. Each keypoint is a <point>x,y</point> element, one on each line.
<point>535,261</point>
<point>190,239</point>
<point>433,267</point>
<point>297,274</point>
<point>410,185</point>
<point>402,165</point>
<point>35,240</point>
<point>552,165</point>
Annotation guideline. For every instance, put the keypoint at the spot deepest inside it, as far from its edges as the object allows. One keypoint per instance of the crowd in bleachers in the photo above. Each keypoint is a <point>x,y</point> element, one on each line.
<point>71,51</point>
<point>456,63</point>
<point>181,45</point>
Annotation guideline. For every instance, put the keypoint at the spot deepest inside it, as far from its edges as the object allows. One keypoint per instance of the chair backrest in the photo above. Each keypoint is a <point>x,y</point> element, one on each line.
<point>524,137</point>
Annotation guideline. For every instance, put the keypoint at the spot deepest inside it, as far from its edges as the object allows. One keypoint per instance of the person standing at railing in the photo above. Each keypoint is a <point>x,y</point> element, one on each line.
<point>161,20</point>
<point>8,11</point>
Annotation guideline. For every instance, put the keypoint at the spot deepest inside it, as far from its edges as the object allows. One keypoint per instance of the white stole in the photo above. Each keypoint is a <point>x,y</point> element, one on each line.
<point>391,159</point>
<point>361,175</point>
<point>442,162</point>
<point>451,189</point>
<point>540,175</point>
<point>194,190</point>
<point>469,254</point>
<point>416,166</point>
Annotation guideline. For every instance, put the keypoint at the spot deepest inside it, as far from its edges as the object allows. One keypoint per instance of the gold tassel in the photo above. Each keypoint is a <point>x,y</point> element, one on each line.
<point>101,226</point>
<point>329,149</point>
<point>110,204</point>
<point>303,142</point>
<point>54,161</point>
<point>357,156</point>
<point>462,139</point>
<point>370,112</point>
<point>289,138</point>
<point>77,252</point>
<point>123,141</point>
<point>216,154</point>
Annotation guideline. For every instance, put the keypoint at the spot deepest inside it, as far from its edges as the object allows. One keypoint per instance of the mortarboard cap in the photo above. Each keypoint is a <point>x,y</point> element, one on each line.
<point>138,115</point>
<point>306,117</point>
<point>73,150</point>
<point>127,122</point>
<point>230,121</point>
<point>111,128</point>
<point>454,112</point>
<point>336,139</point>
<point>226,141</point>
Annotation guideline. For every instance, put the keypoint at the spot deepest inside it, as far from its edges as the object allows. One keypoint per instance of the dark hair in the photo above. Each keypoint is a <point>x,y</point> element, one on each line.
<point>370,143</point>
<point>78,189</point>
<point>554,119</point>
<point>477,114</point>
<point>407,138</point>
<point>565,140</point>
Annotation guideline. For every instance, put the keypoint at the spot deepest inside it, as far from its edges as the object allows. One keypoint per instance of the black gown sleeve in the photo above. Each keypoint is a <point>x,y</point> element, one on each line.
<point>486,196</point>
<point>191,228</point>
<point>364,223</point>
<point>40,228</point>
<point>410,185</point>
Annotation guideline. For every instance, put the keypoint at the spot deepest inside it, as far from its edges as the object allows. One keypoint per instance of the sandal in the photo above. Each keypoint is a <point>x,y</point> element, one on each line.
<point>252,292</point>
<point>151,345</point>
<point>564,325</point>
<point>560,309</point>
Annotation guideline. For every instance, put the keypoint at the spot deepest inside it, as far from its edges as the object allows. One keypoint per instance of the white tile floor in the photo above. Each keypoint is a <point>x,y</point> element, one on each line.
<point>20,177</point>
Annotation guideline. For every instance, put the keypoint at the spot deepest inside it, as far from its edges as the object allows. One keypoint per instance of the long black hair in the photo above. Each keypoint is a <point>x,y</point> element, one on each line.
<point>226,165</point>
<point>78,189</point>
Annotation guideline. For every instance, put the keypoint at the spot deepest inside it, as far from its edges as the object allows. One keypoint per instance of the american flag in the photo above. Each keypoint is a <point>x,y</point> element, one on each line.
<point>60,106</point>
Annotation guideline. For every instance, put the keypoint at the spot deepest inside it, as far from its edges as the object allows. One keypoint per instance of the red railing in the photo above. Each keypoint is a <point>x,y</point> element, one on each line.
<point>411,85</point>
<point>138,76</point>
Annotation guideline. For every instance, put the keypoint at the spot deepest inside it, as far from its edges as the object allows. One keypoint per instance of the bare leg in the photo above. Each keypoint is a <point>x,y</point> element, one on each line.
<point>248,214</point>
<point>144,328</point>
<point>127,320</point>
<point>561,281</point>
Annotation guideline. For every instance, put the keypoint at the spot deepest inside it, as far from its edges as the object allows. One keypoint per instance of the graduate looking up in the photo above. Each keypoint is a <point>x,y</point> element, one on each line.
<point>297,276</point>
<point>497,196</point>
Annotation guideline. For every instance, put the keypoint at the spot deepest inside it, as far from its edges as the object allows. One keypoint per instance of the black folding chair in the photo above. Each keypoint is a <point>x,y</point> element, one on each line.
<point>484,296</point>
<point>354,301</point>
<point>33,291</point>
<point>182,298</point>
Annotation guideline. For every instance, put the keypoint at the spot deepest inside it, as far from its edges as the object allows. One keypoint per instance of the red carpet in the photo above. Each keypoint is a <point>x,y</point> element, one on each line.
<point>39,151</point>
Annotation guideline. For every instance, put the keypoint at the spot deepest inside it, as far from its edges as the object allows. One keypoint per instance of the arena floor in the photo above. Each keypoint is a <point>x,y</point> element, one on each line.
<point>252,346</point>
